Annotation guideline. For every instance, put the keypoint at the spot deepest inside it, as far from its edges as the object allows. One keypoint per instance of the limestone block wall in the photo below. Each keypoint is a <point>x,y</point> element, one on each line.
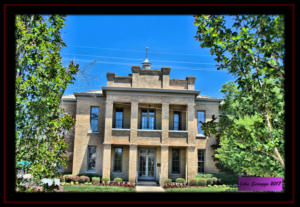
<point>149,79</point>
<point>144,78</point>
<point>178,84</point>
<point>69,108</point>
<point>210,108</point>
<point>83,137</point>
<point>158,160</point>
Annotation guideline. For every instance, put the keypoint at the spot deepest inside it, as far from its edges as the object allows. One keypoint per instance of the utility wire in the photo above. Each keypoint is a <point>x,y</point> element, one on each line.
<point>138,51</point>
<point>153,60</point>
<point>175,68</point>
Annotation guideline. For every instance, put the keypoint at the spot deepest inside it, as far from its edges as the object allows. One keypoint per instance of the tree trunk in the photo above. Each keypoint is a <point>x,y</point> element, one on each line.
<point>277,154</point>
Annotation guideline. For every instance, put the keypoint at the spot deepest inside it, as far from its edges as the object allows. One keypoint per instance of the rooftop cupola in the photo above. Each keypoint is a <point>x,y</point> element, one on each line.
<point>146,64</point>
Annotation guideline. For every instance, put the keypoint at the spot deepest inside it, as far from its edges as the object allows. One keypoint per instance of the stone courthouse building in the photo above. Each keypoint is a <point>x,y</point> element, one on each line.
<point>144,126</point>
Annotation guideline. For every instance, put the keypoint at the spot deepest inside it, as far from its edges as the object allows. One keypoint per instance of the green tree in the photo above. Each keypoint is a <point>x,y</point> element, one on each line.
<point>41,80</point>
<point>251,130</point>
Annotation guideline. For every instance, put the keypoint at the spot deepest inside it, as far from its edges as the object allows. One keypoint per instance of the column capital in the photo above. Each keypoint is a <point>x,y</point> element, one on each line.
<point>108,101</point>
<point>164,146</point>
<point>133,146</point>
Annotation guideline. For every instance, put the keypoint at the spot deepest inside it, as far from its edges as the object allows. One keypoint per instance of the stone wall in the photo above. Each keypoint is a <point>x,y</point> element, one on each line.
<point>144,78</point>
<point>210,108</point>
<point>69,108</point>
<point>132,138</point>
<point>83,136</point>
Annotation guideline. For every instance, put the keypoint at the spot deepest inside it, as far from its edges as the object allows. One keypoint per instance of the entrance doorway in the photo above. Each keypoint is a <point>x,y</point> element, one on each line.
<point>146,170</point>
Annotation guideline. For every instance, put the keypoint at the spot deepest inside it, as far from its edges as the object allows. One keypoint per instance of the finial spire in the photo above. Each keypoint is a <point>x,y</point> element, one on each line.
<point>146,63</point>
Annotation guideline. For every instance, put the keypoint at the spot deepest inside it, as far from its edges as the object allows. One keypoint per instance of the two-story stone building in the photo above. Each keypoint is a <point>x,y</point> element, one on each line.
<point>144,126</point>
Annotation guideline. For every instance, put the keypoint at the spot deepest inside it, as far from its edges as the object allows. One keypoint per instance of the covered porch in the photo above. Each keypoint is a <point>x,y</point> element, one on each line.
<point>136,163</point>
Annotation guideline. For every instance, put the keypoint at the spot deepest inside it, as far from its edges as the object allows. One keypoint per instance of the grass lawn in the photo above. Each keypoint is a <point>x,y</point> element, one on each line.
<point>201,189</point>
<point>95,188</point>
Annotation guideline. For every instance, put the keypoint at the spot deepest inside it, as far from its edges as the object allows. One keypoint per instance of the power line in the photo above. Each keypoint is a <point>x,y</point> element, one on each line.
<point>137,51</point>
<point>153,60</point>
<point>175,68</point>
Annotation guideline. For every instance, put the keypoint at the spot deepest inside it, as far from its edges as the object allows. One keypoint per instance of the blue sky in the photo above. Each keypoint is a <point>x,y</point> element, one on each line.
<point>113,43</point>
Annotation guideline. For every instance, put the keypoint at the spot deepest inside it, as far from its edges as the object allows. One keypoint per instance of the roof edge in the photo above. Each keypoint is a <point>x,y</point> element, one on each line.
<point>158,90</point>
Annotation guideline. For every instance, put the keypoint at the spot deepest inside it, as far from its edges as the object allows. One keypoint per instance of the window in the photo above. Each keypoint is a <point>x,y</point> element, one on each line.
<point>94,118</point>
<point>148,119</point>
<point>118,159</point>
<point>175,161</point>
<point>119,118</point>
<point>200,117</point>
<point>177,120</point>
<point>91,162</point>
<point>201,160</point>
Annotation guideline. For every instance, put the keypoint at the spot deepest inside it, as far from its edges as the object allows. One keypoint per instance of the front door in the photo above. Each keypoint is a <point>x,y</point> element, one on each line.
<point>146,164</point>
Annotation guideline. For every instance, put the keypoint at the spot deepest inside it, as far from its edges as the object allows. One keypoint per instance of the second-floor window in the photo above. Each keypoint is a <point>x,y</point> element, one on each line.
<point>94,117</point>
<point>177,120</point>
<point>200,118</point>
<point>148,119</point>
<point>119,118</point>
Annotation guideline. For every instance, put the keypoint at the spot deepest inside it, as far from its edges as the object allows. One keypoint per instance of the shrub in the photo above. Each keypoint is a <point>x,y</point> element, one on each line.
<point>117,180</point>
<point>168,181</point>
<point>90,175</point>
<point>62,179</point>
<point>204,176</point>
<point>105,179</point>
<point>96,180</point>
<point>68,178</point>
<point>193,182</point>
<point>75,178</point>
<point>202,182</point>
<point>180,181</point>
<point>215,180</point>
<point>209,181</point>
<point>83,179</point>
<point>226,178</point>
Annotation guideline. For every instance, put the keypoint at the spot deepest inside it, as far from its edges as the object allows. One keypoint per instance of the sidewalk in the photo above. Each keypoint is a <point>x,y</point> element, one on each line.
<point>149,189</point>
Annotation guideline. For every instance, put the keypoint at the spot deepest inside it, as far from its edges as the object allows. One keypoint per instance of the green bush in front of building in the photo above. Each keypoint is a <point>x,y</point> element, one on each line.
<point>117,180</point>
<point>180,181</point>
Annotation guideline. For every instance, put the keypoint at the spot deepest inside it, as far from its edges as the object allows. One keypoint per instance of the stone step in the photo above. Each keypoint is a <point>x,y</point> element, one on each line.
<point>147,183</point>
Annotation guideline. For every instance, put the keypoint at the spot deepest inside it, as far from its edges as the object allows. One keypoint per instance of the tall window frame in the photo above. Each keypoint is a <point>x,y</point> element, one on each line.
<point>177,120</point>
<point>175,161</point>
<point>118,157</point>
<point>94,118</point>
<point>201,160</point>
<point>119,118</point>
<point>148,119</point>
<point>201,116</point>
<point>91,158</point>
